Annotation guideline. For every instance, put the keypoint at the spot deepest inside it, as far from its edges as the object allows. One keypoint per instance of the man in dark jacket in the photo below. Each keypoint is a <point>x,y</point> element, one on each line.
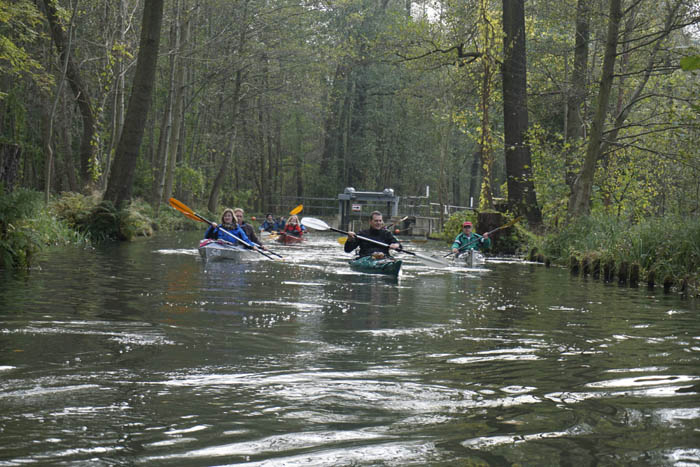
<point>247,228</point>
<point>375,232</point>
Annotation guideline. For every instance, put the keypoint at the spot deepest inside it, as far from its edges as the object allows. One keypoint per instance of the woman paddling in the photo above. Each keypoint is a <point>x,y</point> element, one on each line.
<point>227,230</point>
<point>293,227</point>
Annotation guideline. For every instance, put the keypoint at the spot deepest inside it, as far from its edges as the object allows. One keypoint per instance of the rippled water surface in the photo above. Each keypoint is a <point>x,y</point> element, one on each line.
<point>142,354</point>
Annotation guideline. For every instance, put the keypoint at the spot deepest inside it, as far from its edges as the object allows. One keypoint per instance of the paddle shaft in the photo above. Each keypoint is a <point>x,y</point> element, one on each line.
<point>372,241</point>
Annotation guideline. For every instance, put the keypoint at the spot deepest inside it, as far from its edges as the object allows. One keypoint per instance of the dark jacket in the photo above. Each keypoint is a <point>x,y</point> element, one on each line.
<point>250,232</point>
<point>367,248</point>
<point>268,226</point>
<point>279,225</point>
<point>219,234</point>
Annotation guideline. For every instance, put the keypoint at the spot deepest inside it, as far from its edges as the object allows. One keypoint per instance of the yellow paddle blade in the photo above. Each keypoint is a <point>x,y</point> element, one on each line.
<point>342,240</point>
<point>296,210</point>
<point>511,223</point>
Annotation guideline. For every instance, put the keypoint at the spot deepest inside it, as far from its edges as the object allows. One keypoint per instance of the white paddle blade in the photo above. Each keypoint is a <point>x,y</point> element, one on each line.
<point>432,261</point>
<point>313,223</point>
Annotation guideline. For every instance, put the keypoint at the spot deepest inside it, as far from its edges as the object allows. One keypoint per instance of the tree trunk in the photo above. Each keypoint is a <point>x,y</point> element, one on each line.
<point>161,163</point>
<point>119,92</point>
<point>68,162</point>
<point>486,140</point>
<point>576,97</point>
<point>213,203</point>
<point>120,186</point>
<point>522,198</point>
<point>580,200</point>
<point>179,104</point>
<point>10,155</point>
<point>299,164</point>
<point>474,187</point>
<point>87,148</point>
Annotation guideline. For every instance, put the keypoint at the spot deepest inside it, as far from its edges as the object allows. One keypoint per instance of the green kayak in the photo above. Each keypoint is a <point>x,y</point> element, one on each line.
<point>388,266</point>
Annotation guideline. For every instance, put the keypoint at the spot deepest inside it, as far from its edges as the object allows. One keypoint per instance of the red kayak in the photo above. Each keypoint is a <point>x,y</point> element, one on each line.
<point>288,239</point>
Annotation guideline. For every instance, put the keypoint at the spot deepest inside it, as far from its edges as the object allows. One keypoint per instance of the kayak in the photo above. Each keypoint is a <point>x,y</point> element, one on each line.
<point>216,250</point>
<point>471,258</point>
<point>288,239</point>
<point>388,266</point>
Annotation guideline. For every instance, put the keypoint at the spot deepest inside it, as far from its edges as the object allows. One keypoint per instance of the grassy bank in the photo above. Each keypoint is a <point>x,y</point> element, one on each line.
<point>664,250</point>
<point>28,225</point>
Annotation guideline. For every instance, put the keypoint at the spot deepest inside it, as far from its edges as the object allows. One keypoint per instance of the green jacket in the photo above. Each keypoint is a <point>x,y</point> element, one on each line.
<point>474,242</point>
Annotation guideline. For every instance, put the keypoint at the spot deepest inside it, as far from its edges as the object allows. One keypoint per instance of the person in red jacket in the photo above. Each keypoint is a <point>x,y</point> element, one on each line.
<point>293,227</point>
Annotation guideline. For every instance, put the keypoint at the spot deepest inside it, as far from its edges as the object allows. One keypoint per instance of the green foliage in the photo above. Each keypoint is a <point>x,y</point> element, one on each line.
<point>75,208</point>
<point>27,226</point>
<point>190,180</point>
<point>453,226</point>
<point>20,23</point>
<point>135,221</point>
<point>170,219</point>
<point>690,63</point>
<point>669,245</point>
<point>101,221</point>
<point>549,173</point>
<point>18,243</point>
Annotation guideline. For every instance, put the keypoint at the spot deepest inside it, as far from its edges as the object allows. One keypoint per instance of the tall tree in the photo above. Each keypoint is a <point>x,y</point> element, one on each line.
<point>82,96</point>
<point>121,181</point>
<point>574,123</point>
<point>521,189</point>
<point>580,200</point>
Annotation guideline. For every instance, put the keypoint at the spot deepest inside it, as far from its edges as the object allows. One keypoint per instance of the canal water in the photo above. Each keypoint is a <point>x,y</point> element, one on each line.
<point>142,354</point>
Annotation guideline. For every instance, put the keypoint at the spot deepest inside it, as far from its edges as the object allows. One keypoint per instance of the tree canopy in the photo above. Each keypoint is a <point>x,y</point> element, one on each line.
<point>254,100</point>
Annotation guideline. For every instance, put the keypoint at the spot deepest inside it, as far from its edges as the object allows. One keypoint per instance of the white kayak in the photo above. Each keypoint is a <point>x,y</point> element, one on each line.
<point>471,258</point>
<point>216,250</point>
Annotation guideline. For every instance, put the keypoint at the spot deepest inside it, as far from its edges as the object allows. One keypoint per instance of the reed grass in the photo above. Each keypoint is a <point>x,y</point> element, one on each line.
<point>668,246</point>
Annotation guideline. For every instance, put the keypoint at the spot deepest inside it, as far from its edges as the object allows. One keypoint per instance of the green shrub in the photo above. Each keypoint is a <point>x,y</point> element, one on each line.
<point>453,226</point>
<point>18,242</point>
<point>668,246</point>
<point>101,221</point>
<point>135,220</point>
<point>27,226</point>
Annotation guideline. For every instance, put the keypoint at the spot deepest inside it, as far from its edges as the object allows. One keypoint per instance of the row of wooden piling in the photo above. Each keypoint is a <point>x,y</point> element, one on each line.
<point>622,272</point>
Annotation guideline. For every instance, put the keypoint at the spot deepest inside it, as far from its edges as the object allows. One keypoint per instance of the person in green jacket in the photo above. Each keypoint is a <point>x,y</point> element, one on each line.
<point>468,240</point>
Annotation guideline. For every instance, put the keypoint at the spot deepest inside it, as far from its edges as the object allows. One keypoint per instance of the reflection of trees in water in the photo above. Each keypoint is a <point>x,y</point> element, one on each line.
<point>366,298</point>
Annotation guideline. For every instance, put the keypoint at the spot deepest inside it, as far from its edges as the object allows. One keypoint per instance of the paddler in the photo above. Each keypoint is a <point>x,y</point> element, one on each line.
<point>228,223</point>
<point>375,232</point>
<point>468,240</point>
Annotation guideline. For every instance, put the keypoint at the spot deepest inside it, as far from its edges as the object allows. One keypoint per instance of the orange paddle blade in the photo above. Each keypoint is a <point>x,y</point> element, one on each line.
<point>296,210</point>
<point>193,217</point>
<point>180,206</point>
<point>183,208</point>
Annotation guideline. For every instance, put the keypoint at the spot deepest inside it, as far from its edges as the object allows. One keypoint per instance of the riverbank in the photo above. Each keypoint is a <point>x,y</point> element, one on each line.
<point>656,252</point>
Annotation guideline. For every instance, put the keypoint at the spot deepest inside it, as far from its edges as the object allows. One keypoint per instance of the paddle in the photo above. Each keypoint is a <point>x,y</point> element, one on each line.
<point>296,210</point>
<point>318,224</point>
<point>342,240</point>
<point>504,226</point>
<point>183,208</point>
